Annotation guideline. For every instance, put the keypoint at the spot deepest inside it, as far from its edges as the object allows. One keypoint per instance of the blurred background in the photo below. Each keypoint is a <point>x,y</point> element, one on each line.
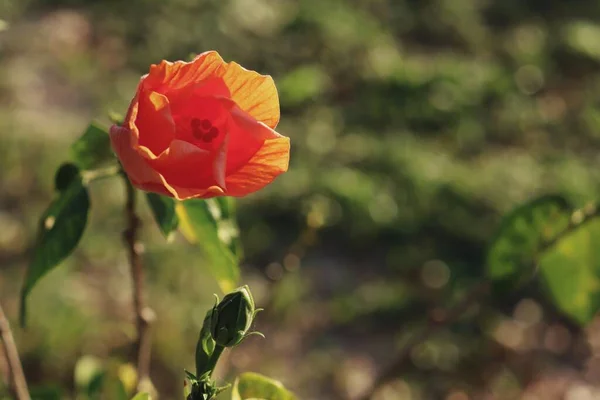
<point>415,125</point>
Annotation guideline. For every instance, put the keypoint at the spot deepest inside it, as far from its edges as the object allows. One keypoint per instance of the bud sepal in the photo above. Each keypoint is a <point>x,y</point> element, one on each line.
<point>232,317</point>
<point>203,387</point>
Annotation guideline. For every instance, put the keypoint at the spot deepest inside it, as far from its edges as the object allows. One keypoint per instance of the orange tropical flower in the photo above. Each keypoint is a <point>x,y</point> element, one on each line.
<point>202,129</point>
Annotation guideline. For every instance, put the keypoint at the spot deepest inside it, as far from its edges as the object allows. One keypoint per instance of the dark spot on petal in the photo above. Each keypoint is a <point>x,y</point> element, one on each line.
<point>206,124</point>
<point>207,138</point>
<point>195,123</point>
<point>213,132</point>
<point>197,133</point>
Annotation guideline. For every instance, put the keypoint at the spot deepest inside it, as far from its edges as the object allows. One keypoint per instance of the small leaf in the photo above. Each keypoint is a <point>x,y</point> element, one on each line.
<point>512,255</point>
<point>199,226</point>
<point>115,117</point>
<point>89,374</point>
<point>60,229</point>
<point>163,209</point>
<point>570,272</point>
<point>254,386</point>
<point>65,175</point>
<point>189,376</point>
<point>93,148</point>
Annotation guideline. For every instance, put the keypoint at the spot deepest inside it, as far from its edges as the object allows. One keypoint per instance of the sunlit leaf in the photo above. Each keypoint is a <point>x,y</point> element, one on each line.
<point>93,148</point>
<point>570,272</point>
<point>199,225</point>
<point>254,386</point>
<point>163,209</point>
<point>512,255</point>
<point>227,224</point>
<point>60,229</point>
<point>89,375</point>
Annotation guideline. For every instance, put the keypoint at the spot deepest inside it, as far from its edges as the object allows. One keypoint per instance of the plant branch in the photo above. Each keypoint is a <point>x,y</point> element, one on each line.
<point>143,314</point>
<point>102,173</point>
<point>17,377</point>
<point>438,321</point>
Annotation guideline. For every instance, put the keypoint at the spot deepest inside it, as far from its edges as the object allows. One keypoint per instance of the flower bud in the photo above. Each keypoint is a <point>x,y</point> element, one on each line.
<point>232,317</point>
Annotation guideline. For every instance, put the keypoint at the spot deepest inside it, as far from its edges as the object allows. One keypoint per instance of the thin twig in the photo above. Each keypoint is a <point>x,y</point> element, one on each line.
<point>144,315</point>
<point>438,321</point>
<point>18,382</point>
<point>102,173</point>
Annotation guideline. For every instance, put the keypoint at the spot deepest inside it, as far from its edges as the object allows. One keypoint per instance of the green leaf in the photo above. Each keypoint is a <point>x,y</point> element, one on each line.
<point>60,229</point>
<point>199,223</point>
<point>163,209</point>
<point>226,206</point>
<point>93,148</point>
<point>570,272</point>
<point>254,386</point>
<point>65,174</point>
<point>229,231</point>
<point>89,375</point>
<point>511,258</point>
<point>141,396</point>
<point>95,388</point>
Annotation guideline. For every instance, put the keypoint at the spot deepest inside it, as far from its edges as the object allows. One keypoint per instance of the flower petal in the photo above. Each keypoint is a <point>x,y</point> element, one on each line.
<point>184,193</point>
<point>138,171</point>
<point>154,121</point>
<point>187,169</point>
<point>254,93</point>
<point>269,161</point>
<point>173,76</point>
<point>245,137</point>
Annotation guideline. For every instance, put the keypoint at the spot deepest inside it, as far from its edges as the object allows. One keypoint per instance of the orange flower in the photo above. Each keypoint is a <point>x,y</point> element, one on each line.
<point>202,129</point>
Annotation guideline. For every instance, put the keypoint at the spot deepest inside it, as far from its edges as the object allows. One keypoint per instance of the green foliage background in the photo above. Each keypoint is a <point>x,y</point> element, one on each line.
<point>415,126</point>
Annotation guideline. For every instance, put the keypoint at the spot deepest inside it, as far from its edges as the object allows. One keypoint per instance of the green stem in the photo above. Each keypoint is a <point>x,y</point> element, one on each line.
<point>214,358</point>
<point>97,174</point>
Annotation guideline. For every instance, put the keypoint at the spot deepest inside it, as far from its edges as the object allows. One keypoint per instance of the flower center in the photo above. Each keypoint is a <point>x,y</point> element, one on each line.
<point>201,121</point>
<point>203,129</point>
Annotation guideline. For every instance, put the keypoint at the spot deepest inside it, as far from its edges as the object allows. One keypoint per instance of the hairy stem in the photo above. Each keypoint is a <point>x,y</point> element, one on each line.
<point>214,358</point>
<point>144,315</point>
<point>17,377</point>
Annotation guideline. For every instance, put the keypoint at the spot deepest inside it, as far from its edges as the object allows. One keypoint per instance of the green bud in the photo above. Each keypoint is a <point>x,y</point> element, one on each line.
<point>232,317</point>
